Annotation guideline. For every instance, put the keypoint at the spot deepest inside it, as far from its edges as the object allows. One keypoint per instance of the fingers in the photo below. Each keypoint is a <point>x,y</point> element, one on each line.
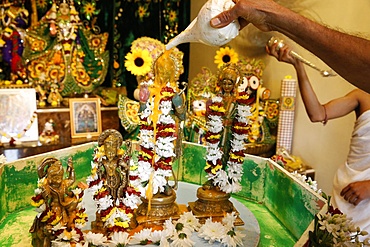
<point>350,194</point>
<point>225,18</point>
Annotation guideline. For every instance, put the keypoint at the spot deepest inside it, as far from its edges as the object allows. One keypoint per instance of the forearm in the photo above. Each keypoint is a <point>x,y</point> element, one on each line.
<point>348,55</point>
<point>314,109</point>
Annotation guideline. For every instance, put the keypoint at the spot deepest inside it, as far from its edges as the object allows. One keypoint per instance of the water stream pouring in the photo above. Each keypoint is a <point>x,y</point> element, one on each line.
<point>201,31</point>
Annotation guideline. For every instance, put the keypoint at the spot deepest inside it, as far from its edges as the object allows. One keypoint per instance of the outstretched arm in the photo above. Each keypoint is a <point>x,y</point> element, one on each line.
<point>348,55</point>
<point>315,110</point>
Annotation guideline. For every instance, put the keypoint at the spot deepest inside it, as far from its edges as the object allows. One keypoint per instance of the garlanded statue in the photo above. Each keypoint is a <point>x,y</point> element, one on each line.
<point>263,121</point>
<point>109,183</point>
<point>14,20</point>
<point>227,131</point>
<point>62,54</point>
<point>227,117</point>
<point>163,109</point>
<point>61,215</point>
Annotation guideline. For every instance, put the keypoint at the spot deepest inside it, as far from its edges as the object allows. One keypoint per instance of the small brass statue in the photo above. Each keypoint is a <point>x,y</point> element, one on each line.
<point>56,200</point>
<point>113,173</point>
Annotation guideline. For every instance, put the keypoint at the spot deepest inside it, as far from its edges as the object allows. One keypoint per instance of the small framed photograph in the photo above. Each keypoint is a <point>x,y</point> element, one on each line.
<point>85,117</point>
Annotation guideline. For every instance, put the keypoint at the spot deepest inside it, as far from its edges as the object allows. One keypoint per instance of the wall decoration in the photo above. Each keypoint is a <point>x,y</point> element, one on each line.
<point>85,117</point>
<point>18,115</point>
<point>286,115</point>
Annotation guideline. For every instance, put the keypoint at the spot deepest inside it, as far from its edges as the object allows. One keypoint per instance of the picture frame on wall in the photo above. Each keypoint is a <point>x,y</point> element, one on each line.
<point>85,116</point>
<point>18,114</point>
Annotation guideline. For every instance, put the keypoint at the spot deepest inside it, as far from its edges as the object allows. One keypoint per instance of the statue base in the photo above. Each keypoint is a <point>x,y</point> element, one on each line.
<point>162,207</point>
<point>213,203</point>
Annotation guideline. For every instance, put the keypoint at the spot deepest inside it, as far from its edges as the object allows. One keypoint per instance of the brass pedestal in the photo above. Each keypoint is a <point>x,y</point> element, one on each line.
<point>162,208</point>
<point>213,203</point>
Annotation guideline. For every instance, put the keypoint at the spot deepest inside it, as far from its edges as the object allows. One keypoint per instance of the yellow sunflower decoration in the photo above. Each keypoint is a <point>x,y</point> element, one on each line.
<point>225,55</point>
<point>138,62</point>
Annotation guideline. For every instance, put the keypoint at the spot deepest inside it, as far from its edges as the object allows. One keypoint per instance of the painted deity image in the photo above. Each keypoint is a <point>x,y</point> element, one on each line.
<point>62,53</point>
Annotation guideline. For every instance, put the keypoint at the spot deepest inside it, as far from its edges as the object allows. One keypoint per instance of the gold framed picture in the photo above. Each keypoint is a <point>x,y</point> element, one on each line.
<point>85,117</point>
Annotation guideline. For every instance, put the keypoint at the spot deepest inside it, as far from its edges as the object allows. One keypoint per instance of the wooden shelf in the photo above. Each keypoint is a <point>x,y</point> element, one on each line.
<point>61,118</point>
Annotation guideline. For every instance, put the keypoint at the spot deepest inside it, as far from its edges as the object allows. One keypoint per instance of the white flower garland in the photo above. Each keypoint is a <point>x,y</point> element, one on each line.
<point>226,178</point>
<point>157,144</point>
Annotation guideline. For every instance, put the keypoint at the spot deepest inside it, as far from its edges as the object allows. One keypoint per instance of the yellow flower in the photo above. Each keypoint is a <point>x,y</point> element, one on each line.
<point>216,168</point>
<point>217,108</point>
<point>42,4</point>
<point>89,9</point>
<point>172,16</point>
<point>37,204</point>
<point>123,224</point>
<point>225,55</point>
<point>138,62</point>
<point>47,216</point>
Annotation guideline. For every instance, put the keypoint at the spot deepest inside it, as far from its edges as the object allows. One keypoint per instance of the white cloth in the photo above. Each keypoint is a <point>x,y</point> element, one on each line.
<point>357,168</point>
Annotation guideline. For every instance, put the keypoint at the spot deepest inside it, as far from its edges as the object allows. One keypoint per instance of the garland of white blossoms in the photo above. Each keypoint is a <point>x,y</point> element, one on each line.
<point>177,233</point>
<point>156,142</point>
<point>227,178</point>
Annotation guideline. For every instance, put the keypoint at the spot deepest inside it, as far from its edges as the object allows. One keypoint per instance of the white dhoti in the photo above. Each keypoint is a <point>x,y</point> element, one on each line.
<point>356,168</point>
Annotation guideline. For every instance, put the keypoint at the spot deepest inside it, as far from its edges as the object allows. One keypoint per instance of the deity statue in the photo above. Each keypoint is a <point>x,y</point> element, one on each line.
<point>147,50</point>
<point>110,184</point>
<point>57,202</point>
<point>227,118</point>
<point>163,108</point>
<point>113,169</point>
<point>14,20</point>
<point>62,52</point>
<point>264,112</point>
<point>48,134</point>
<point>228,82</point>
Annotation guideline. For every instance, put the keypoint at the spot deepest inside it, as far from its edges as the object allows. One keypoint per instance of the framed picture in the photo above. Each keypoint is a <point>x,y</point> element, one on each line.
<point>85,117</point>
<point>18,115</point>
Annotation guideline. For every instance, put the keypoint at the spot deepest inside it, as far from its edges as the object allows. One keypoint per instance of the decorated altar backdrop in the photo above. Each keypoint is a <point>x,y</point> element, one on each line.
<point>124,21</point>
<point>159,19</point>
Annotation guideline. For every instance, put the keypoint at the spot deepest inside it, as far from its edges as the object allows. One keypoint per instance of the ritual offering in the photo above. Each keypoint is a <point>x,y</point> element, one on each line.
<point>201,31</point>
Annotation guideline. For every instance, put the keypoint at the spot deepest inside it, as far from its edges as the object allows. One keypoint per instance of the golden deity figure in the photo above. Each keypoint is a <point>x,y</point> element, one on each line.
<point>58,203</point>
<point>162,110</point>
<point>61,51</point>
<point>110,185</point>
<point>226,120</point>
<point>114,168</point>
<point>144,51</point>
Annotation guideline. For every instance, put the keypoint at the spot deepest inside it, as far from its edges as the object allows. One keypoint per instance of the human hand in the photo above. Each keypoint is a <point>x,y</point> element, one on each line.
<point>282,54</point>
<point>247,11</point>
<point>355,192</point>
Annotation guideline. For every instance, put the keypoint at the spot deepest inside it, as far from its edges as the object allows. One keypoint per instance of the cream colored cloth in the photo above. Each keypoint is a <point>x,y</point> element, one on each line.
<point>357,168</point>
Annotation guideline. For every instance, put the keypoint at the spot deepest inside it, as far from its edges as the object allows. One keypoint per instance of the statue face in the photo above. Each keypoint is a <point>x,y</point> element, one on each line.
<point>227,85</point>
<point>110,148</point>
<point>55,174</point>
<point>64,9</point>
